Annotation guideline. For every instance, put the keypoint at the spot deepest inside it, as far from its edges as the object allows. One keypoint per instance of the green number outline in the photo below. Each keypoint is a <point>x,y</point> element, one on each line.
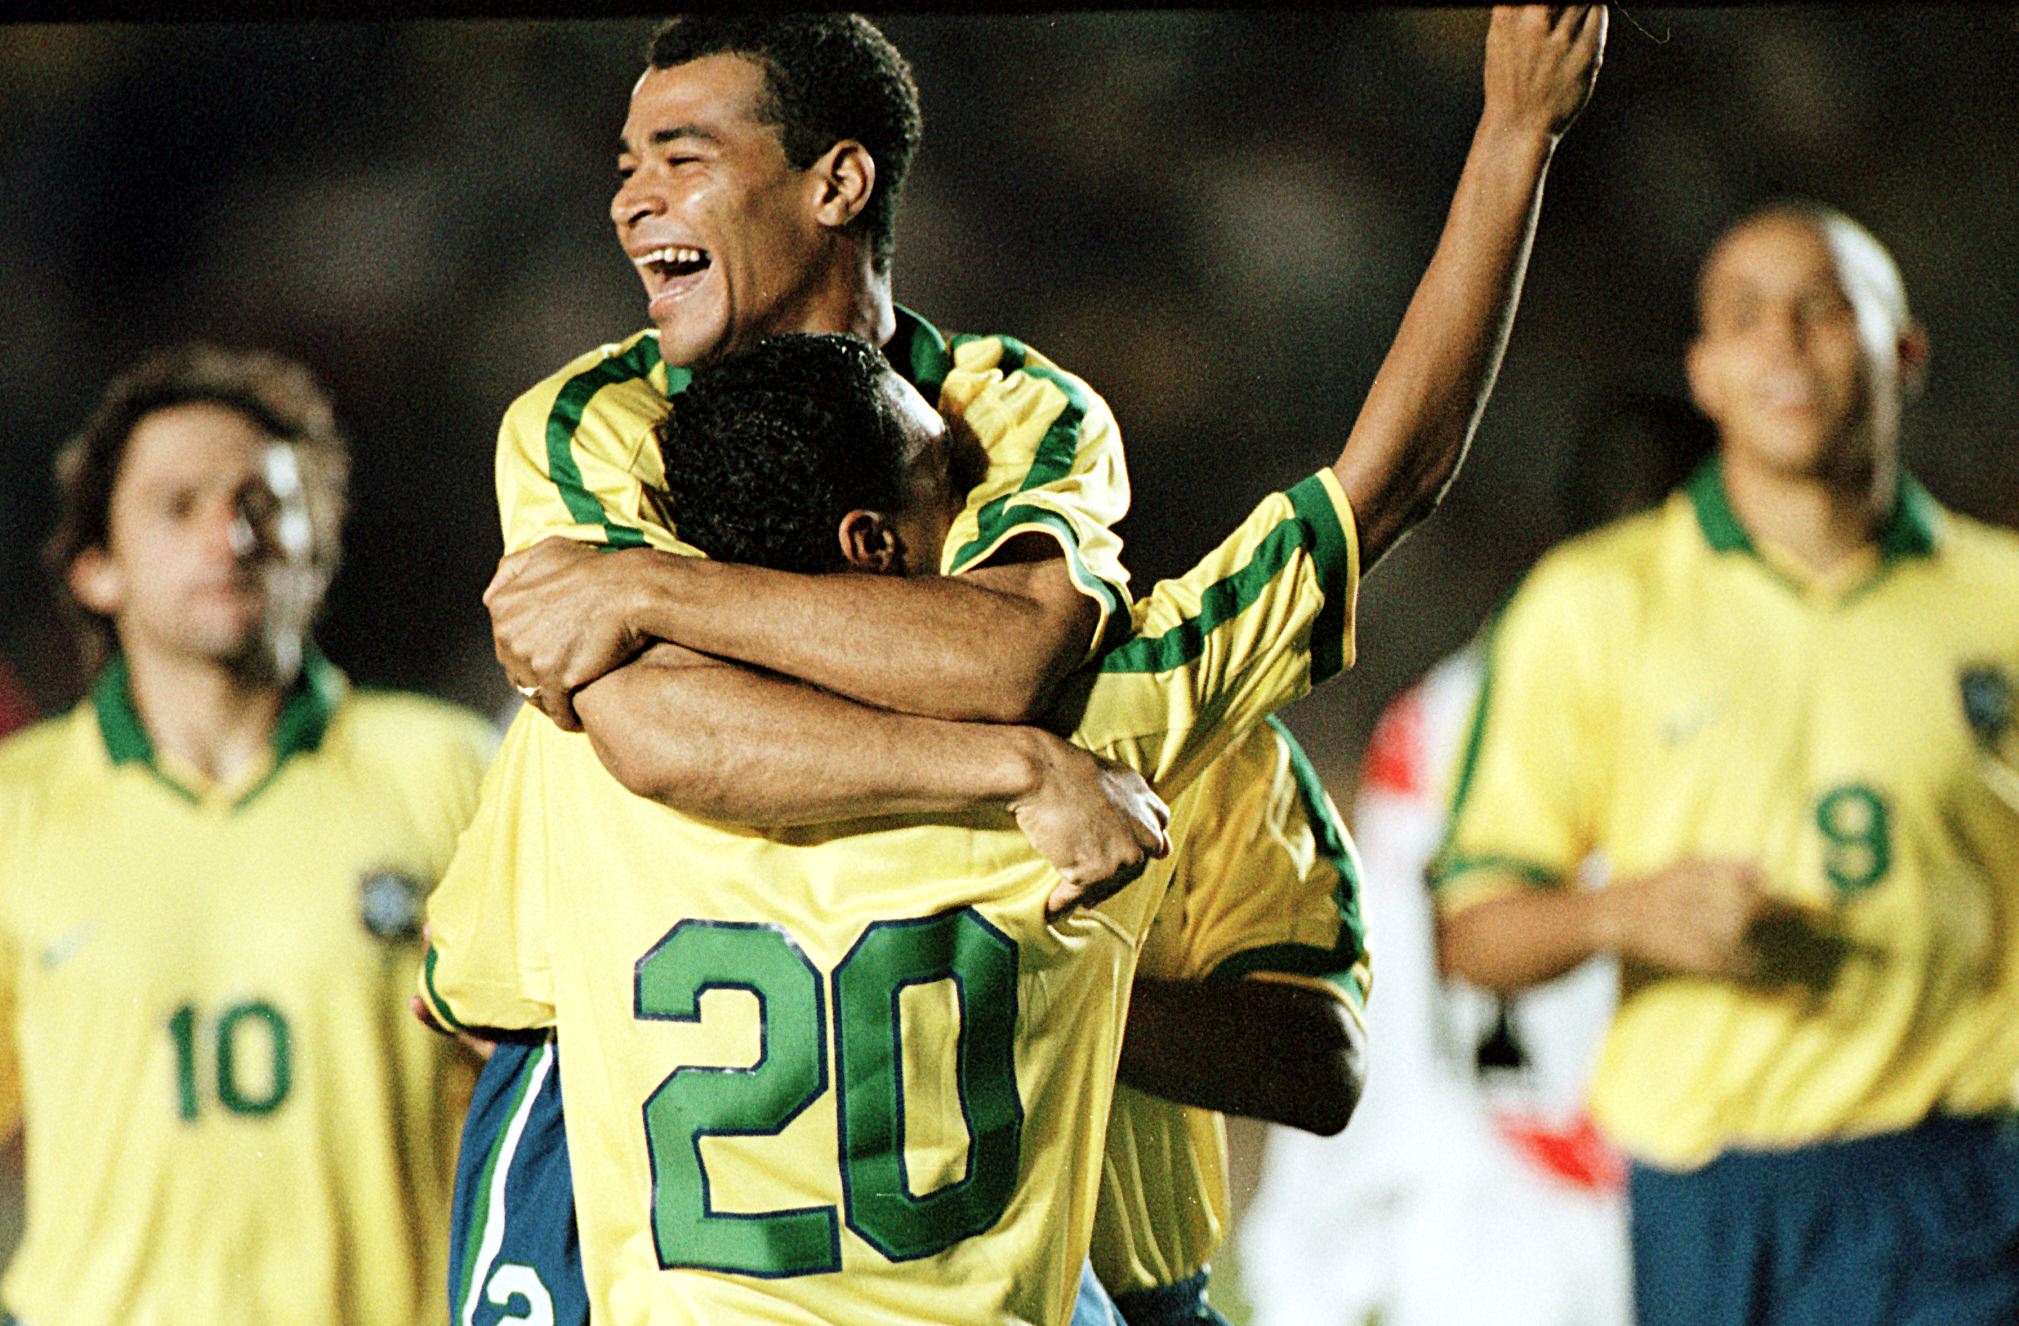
<point>182,1026</point>
<point>228,1094</point>
<point>764,1232</point>
<point>1877,838</point>
<point>888,957</point>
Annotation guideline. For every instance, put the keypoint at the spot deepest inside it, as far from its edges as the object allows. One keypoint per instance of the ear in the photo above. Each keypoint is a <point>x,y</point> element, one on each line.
<point>1702,383</point>
<point>869,543</point>
<point>846,175</point>
<point>1912,352</point>
<point>97,582</point>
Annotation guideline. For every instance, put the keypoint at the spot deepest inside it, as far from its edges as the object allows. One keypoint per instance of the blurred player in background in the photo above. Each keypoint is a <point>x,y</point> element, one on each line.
<point>211,879</point>
<point>1782,707</point>
<point>1475,1186</point>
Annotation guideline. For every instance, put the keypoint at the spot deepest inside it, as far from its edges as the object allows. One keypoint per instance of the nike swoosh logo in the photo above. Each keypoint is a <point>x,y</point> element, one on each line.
<point>1683,724</point>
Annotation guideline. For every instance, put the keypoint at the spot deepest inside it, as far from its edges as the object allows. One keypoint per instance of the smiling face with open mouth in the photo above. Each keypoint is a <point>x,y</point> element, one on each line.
<point>722,229</point>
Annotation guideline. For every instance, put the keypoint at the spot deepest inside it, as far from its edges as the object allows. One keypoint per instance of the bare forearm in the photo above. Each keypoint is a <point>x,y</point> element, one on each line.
<point>734,745</point>
<point>963,648</point>
<point>1263,1049</point>
<point>1420,414</point>
<point>1523,938</point>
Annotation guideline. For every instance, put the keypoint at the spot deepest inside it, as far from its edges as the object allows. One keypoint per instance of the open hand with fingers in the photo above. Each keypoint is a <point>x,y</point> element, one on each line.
<point>1541,64</point>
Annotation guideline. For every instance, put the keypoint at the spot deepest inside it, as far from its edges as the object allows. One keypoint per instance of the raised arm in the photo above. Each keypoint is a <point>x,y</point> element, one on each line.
<point>1426,400</point>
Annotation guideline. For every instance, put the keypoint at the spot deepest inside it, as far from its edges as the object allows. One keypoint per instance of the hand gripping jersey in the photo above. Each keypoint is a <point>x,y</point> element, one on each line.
<point>231,1117</point>
<point>1664,689</point>
<point>850,1073</point>
<point>1264,884</point>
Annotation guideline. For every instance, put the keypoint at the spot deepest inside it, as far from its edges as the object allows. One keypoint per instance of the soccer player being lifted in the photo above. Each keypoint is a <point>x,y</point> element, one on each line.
<point>1782,706</point>
<point>1408,439</point>
<point>211,880</point>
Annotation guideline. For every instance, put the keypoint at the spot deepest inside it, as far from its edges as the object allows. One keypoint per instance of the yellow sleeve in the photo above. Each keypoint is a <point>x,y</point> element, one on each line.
<point>1267,878</point>
<point>1531,774</point>
<point>1258,622</point>
<point>1055,465</point>
<point>577,455</point>
<point>10,1046</point>
<point>487,962</point>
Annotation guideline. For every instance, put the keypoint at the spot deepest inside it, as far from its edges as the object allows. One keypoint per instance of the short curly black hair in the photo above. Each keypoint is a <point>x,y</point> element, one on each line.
<point>829,77</point>
<point>768,448</point>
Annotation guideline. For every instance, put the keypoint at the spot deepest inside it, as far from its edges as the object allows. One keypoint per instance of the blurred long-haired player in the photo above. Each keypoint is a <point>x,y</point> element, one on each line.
<point>211,878</point>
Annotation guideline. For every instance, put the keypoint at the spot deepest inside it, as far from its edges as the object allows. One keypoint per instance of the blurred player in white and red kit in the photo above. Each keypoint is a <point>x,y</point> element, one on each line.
<point>1472,1186</point>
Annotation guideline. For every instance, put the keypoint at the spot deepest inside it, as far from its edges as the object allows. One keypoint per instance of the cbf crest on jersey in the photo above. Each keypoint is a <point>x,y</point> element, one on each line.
<point>1987,702</point>
<point>389,904</point>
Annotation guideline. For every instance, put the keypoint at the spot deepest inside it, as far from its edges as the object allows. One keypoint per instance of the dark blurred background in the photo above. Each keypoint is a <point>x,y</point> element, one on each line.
<point>1216,219</point>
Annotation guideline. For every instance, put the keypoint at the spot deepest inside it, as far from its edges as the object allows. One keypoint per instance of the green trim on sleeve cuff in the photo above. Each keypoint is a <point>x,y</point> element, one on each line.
<point>1331,965</point>
<point>434,996</point>
<point>1334,562</point>
<point>1445,869</point>
<point>1024,519</point>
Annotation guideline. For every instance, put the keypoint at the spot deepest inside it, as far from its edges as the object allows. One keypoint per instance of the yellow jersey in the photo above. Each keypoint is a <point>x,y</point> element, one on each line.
<point>1664,689</point>
<point>578,455</point>
<point>849,1073</point>
<point>231,1116</point>
<point>1265,884</point>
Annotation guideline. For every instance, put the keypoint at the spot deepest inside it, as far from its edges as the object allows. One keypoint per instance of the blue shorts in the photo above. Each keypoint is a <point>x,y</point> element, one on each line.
<point>1915,1228</point>
<point>515,1253</point>
<point>1181,1304</point>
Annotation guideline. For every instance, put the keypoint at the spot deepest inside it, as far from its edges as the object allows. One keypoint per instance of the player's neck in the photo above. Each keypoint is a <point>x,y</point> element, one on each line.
<point>217,719</point>
<point>855,299</point>
<point>1819,520</point>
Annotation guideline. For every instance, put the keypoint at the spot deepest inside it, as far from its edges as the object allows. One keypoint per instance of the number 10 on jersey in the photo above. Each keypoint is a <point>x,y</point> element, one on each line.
<point>799,1062</point>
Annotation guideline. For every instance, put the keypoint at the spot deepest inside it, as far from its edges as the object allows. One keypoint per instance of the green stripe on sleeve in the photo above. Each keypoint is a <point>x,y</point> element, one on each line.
<point>441,1005</point>
<point>1332,965</point>
<point>1056,451</point>
<point>1334,844</point>
<point>1331,558</point>
<point>1446,868</point>
<point>1222,601</point>
<point>1446,862</point>
<point>1022,517</point>
<point>566,417</point>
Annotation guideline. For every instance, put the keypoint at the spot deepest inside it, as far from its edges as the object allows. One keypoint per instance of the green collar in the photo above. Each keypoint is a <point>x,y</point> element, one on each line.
<point>919,354</point>
<point>1910,529</point>
<point>917,351</point>
<point>304,717</point>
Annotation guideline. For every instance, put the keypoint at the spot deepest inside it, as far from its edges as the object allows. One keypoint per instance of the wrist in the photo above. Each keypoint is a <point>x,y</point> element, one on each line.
<point>647,591</point>
<point>1025,760</point>
<point>1606,921</point>
<point>1505,137</point>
